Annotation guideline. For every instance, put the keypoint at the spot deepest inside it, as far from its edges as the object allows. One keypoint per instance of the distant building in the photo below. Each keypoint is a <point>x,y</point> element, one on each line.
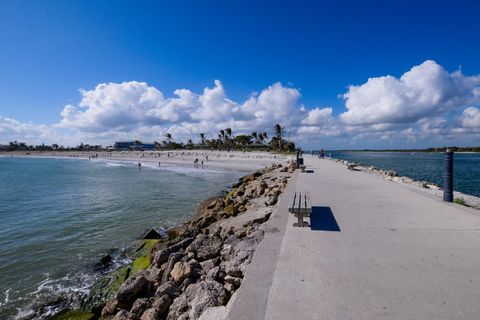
<point>4,147</point>
<point>123,146</point>
<point>148,146</point>
<point>133,145</point>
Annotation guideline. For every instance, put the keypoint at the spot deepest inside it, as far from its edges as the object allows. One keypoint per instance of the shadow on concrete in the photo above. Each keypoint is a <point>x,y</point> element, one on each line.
<point>322,219</point>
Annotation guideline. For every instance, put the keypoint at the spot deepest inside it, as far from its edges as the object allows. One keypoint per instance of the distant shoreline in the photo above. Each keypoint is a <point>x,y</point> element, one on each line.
<point>230,160</point>
<point>404,151</point>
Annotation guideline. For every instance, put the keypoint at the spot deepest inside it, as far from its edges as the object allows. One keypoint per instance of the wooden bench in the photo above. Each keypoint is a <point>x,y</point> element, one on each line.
<point>301,207</point>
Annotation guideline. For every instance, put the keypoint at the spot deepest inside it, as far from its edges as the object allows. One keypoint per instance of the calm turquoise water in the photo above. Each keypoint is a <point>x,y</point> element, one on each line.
<point>58,216</point>
<point>423,166</point>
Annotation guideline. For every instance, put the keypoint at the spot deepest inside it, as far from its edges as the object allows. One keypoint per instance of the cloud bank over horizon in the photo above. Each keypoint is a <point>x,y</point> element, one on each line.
<point>426,105</point>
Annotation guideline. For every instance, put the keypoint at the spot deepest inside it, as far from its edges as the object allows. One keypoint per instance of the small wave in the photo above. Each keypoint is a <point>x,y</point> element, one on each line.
<point>184,169</point>
<point>7,297</point>
<point>69,291</point>
<point>24,314</point>
<point>115,164</point>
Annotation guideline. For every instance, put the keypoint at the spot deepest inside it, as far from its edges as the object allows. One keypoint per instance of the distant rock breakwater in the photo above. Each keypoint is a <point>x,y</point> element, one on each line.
<point>432,188</point>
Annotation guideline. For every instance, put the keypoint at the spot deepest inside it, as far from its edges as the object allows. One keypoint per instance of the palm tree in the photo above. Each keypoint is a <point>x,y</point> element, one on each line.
<point>279,131</point>
<point>202,138</point>
<point>255,137</point>
<point>222,137</point>
<point>262,137</point>
<point>189,142</point>
<point>169,137</point>
<point>228,137</point>
<point>228,131</point>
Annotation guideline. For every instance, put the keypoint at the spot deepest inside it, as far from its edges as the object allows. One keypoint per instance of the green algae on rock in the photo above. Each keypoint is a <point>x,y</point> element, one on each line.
<point>143,262</point>
<point>74,315</point>
<point>139,264</point>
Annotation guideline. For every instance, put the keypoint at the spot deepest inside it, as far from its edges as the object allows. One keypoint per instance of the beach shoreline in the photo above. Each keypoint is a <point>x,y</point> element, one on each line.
<point>227,160</point>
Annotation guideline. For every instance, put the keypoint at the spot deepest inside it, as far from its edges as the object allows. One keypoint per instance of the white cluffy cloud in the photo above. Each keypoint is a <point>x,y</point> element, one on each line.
<point>136,107</point>
<point>424,91</point>
<point>426,103</point>
<point>471,118</point>
<point>15,130</point>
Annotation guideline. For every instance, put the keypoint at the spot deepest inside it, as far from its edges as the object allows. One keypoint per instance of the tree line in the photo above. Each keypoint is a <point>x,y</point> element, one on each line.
<point>224,140</point>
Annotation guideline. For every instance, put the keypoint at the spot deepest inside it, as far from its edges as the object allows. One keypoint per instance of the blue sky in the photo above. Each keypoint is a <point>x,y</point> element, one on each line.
<point>49,50</point>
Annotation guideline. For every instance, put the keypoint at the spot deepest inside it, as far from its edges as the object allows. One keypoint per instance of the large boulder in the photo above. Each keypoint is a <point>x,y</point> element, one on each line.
<point>171,262</point>
<point>213,274</point>
<point>162,304</point>
<point>236,257</point>
<point>154,274</point>
<point>168,288</point>
<point>140,305</point>
<point>158,309</point>
<point>152,234</point>
<point>181,270</point>
<point>162,256</point>
<point>150,314</point>
<point>208,265</point>
<point>206,247</point>
<point>129,291</point>
<point>125,315</point>
<point>197,298</point>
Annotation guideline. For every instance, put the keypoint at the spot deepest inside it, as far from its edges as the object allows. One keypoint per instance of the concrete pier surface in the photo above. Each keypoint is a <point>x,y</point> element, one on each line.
<point>374,250</point>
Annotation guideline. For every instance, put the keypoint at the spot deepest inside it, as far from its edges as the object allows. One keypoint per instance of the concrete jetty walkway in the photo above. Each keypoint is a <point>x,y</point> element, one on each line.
<point>375,250</point>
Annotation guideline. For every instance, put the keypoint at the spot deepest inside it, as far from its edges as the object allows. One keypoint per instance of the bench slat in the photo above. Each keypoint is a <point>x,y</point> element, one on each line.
<point>300,203</point>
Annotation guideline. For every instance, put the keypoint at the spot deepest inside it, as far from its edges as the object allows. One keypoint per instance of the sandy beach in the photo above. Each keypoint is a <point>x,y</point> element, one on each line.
<point>230,160</point>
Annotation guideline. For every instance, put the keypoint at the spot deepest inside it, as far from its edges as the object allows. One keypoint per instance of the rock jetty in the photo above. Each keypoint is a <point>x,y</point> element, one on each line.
<point>202,263</point>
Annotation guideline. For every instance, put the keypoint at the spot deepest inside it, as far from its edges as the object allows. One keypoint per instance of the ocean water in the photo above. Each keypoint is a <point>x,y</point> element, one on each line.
<point>58,216</point>
<point>423,166</point>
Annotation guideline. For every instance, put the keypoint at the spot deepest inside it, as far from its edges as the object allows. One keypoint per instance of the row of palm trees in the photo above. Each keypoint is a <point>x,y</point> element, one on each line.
<point>227,141</point>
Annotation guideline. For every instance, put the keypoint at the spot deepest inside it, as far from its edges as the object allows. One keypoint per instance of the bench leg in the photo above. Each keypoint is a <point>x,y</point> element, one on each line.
<point>300,222</point>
